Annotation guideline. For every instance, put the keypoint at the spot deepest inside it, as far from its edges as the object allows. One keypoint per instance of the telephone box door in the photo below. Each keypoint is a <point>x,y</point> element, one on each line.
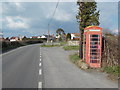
<point>95,50</point>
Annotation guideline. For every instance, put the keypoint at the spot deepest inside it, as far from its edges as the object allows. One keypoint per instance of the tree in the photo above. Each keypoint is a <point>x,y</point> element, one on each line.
<point>68,37</point>
<point>87,16</point>
<point>60,32</point>
<point>24,38</point>
<point>7,38</point>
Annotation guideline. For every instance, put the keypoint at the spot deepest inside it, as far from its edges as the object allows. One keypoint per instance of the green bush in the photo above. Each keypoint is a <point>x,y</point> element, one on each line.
<point>7,45</point>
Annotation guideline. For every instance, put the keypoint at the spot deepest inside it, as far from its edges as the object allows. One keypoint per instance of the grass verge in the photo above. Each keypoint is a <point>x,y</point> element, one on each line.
<point>79,63</point>
<point>63,43</point>
<point>74,58</point>
<point>50,45</point>
<point>71,47</point>
<point>113,71</point>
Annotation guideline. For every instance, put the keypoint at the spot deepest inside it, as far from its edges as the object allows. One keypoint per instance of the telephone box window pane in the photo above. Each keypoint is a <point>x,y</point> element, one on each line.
<point>95,39</point>
<point>93,46</point>
<point>93,50</point>
<point>93,43</point>
<point>93,53</point>
<point>93,57</point>
<point>93,61</point>
<point>94,35</point>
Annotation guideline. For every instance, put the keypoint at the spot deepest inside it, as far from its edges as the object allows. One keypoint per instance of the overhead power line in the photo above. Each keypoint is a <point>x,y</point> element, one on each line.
<point>52,19</point>
<point>54,13</point>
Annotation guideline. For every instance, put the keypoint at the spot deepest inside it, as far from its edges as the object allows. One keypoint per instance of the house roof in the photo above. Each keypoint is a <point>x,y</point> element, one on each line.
<point>76,34</point>
<point>34,36</point>
<point>13,37</point>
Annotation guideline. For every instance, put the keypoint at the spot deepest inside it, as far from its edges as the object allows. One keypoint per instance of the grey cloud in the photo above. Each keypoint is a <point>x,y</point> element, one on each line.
<point>36,14</point>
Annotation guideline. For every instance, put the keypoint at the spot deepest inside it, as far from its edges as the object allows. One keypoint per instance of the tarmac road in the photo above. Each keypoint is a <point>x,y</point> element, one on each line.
<point>33,66</point>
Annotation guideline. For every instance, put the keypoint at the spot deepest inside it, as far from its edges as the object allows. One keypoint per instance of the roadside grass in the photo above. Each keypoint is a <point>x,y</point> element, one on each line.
<point>54,44</point>
<point>78,62</point>
<point>71,47</point>
<point>63,43</point>
<point>74,58</point>
<point>50,45</point>
<point>113,71</point>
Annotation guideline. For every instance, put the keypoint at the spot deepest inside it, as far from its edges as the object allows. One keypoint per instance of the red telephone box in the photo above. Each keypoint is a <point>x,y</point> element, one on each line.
<point>92,44</point>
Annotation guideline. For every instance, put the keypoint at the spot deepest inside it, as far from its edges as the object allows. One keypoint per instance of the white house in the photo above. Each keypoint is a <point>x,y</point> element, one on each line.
<point>12,39</point>
<point>43,36</point>
<point>75,36</point>
<point>57,36</point>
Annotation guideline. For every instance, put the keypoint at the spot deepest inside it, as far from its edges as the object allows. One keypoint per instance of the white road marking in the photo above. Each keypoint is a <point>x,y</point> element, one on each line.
<point>40,59</point>
<point>40,55</point>
<point>40,72</point>
<point>39,84</point>
<point>40,64</point>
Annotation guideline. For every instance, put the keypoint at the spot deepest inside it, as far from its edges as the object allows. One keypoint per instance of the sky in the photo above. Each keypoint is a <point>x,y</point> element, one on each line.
<point>31,18</point>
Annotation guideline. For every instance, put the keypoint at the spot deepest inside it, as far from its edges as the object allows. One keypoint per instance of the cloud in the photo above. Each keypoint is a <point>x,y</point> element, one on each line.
<point>115,31</point>
<point>61,15</point>
<point>31,18</point>
<point>56,0</point>
<point>16,23</point>
<point>109,15</point>
<point>19,6</point>
<point>12,8</point>
<point>64,13</point>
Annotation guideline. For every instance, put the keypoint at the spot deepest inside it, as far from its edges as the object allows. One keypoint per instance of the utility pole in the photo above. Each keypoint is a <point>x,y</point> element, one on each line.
<point>48,34</point>
<point>1,33</point>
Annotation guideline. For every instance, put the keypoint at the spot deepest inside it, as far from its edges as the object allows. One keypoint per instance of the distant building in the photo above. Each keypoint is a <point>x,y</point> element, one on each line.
<point>2,39</point>
<point>44,36</point>
<point>47,36</point>
<point>21,37</point>
<point>7,39</point>
<point>75,36</point>
<point>57,36</point>
<point>12,39</point>
<point>35,37</point>
<point>52,37</point>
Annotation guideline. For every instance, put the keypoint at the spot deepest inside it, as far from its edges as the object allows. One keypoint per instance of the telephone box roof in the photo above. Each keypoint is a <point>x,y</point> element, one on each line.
<point>92,27</point>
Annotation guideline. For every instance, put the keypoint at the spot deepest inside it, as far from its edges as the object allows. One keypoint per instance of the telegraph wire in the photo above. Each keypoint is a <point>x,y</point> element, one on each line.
<point>54,12</point>
<point>52,19</point>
